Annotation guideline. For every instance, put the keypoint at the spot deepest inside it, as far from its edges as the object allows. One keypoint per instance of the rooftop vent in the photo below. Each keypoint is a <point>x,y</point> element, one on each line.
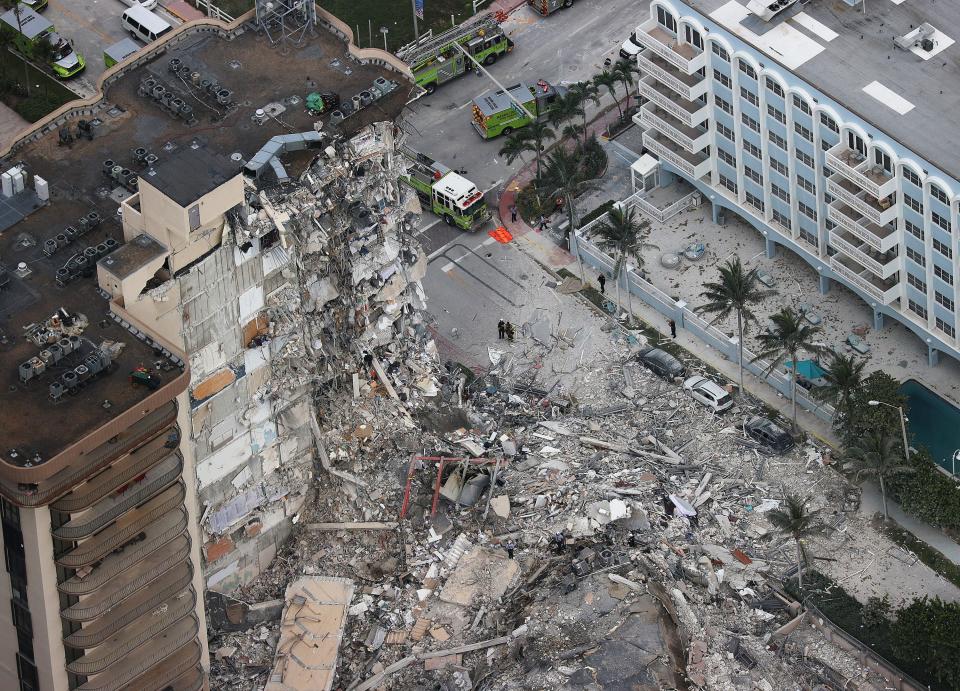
<point>922,37</point>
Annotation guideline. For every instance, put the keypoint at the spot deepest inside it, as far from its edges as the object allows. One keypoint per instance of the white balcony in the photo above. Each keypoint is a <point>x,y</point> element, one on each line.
<point>690,113</point>
<point>689,86</point>
<point>694,166</point>
<point>681,55</point>
<point>880,238</point>
<point>858,169</point>
<point>693,139</point>
<point>880,212</point>
<point>883,265</point>
<point>884,291</point>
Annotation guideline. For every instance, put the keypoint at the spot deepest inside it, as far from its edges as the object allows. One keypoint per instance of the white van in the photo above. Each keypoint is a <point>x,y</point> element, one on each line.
<point>144,24</point>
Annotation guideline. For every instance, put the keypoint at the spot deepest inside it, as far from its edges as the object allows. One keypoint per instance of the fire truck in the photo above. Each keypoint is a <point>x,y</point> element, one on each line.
<point>498,113</point>
<point>547,7</point>
<point>435,60</point>
<point>447,193</point>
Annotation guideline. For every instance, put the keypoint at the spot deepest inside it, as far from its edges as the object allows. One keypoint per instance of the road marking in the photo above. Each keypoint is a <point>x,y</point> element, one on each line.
<point>427,227</point>
<point>447,268</point>
<point>470,102</point>
<point>488,241</point>
<point>496,184</point>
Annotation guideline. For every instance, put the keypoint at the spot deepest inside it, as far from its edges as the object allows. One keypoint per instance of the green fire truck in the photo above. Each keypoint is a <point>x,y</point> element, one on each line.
<point>497,113</point>
<point>447,193</point>
<point>546,7</point>
<point>34,35</point>
<point>437,59</point>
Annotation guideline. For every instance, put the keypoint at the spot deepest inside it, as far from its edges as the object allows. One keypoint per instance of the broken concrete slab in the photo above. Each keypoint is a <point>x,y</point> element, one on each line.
<point>480,571</point>
<point>501,506</point>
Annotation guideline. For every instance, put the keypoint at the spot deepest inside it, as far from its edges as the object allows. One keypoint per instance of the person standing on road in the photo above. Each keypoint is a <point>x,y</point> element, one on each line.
<point>602,280</point>
<point>513,213</point>
<point>673,329</point>
<point>501,329</point>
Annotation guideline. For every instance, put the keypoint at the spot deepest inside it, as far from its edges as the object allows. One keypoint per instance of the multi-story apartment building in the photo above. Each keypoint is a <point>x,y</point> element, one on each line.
<point>829,128</point>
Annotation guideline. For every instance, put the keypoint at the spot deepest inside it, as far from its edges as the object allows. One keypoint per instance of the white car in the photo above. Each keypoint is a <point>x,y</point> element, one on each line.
<point>630,47</point>
<point>709,393</point>
<point>145,4</point>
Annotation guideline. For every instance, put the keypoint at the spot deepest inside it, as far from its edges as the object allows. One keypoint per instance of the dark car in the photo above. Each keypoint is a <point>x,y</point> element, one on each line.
<point>662,363</point>
<point>769,434</point>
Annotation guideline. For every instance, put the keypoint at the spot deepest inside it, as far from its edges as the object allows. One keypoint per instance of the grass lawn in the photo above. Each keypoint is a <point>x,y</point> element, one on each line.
<point>46,93</point>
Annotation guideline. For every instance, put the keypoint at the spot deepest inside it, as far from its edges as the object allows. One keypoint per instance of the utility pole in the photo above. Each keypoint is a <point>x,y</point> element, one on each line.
<point>416,31</point>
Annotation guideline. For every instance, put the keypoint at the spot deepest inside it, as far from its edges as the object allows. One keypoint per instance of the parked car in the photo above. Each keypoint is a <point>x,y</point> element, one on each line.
<point>35,5</point>
<point>662,363</point>
<point>145,4</point>
<point>769,434</point>
<point>630,47</point>
<point>709,393</point>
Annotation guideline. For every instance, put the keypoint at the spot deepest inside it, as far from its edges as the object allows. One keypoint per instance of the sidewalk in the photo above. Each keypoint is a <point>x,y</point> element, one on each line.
<point>542,249</point>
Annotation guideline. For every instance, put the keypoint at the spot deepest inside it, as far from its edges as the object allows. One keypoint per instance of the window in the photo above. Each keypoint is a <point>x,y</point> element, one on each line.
<point>943,300</point>
<point>779,167</point>
<point>801,104</point>
<point>722,78</point>
<point>719,51</point>
<point>938,193</point>
<point>807,211</point>
<point>777,140</point>
<point>777,114</point>
<point>916,282</point>
<point>805,159</point>
<point>914,204</point>
<point>828,224</point>
<point>911,176</point>
<point>946,328</point>
<point>693,36</point>
<point>728,183</point>
<point>752,150</point>
<point>27,671</point>
<point>726,132</point>
<point>774,87</point>
<point>779,192</point>
<point>803,131</point>
<point>943,249</point>
<point>753,175</point>
<point>746,68</point>
<point>882,159</point>
<point>749,95</point>
<point>855,142</point>
<point>917,308</point>
<point>723,104</point>
<point>913,229</point>
<point>754,201</point>
<point>943,275</point>
<point>825,145</point>
<point>805,184</point>
<point>750,122</point>
<point>808,237</point>
<point>940,220</point>
<point>727,158</point>
<point>829,123</point>
<point>827,198</point>
<point>9,513</point>
<point>915,256</point>
<point>781,219</point>
<point>666,19</point>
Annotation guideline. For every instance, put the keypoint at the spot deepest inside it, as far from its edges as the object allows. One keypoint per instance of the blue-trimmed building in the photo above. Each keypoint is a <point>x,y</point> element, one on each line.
<point>858,184</point>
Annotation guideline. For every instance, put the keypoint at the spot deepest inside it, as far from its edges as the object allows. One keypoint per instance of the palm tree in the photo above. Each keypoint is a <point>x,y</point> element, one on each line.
<point>537,134</point>
<point>563,178</point>
<point>626,70</point>
<point>622,233</point>
<point>609,81</point>
<point>573,131</point>
<point>794,520</point>
<point>564,109</point>
<point>878,455</point>
<point>844,377</point>
<point>583,93</point>
<point>789,335</point>
<point>515,146</point>
<point>736,291</point>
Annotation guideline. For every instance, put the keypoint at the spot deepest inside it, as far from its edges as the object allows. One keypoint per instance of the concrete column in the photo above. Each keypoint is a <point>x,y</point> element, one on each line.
<point>678,314</point>
<point>667,177</point>
<point>933,355</point>
<point>877,319</point>
<point>824,284</point>
<point>715,211</point>
<point>771,248</point>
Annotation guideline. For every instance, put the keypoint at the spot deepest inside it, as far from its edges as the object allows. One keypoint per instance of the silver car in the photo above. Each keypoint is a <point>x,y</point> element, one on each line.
<point>709,393</point>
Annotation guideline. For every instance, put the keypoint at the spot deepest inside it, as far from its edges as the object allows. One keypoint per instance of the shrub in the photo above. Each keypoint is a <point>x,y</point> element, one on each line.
<point>532,203</point>
<point>593,158</point>
<point>926,634</point>
<point>35,107</point>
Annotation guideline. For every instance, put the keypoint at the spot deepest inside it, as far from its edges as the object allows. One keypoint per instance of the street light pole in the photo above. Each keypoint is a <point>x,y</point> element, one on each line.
<point>903,425</point>
<point>416,31</point>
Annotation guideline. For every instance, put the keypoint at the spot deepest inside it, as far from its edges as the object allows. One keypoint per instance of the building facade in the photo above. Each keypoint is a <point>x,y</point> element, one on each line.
<point>808,173</point>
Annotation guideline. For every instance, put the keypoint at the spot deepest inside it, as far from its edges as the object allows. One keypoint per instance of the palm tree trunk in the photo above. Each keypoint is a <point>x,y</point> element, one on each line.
<point>616,100</point>
<point>799,565</point>
<point>740,347</point>
<point>617,269</point>
<point>883,496</point>
<point>793,390</point>
<point>626,275</point>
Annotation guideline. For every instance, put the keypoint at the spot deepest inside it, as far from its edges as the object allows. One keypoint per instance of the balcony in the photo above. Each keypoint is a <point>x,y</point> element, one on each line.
<point>884,291</point>
<point>689,86</point>
<point>694,166</point>
<point>858,169</point>
<point>681,55</point>
<point>880,238</point>
<point>690,113</point>
<point>179,636</point>
<point>107,510</point>
<point>693,139</point>
<point>141,631</point>
<point>878,212</point>
<point>882,265</point>
<point>179,673</point>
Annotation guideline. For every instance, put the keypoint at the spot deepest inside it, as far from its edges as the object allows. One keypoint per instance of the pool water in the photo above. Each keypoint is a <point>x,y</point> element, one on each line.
<point>933,423</point>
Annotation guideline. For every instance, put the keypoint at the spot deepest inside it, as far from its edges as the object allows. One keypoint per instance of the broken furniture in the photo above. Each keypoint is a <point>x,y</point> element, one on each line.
<point>858,344</point>
<point>766,278</point>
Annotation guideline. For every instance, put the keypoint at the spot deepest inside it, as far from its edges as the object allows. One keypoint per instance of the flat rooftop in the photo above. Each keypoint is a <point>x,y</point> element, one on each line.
<point>911,96</point>
<point>189,173</point>
<point>258,77</point>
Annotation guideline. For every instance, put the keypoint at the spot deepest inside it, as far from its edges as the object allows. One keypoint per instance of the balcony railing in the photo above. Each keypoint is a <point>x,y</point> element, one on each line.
<point>884,267</point>
<point>857,168</point>
<point>689,86</point>
<point>177,673</point>
<point>880,238</point>
<point>681,55</point>
<point>690,113</point>
<point>694,166</point>
<point>878,212</point>
<point>884,292</point>
<point>693,139</point>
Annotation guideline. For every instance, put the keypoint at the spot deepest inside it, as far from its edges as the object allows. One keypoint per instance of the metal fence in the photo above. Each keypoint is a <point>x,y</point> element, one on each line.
<point>687,319</point>
<point>213,11</point>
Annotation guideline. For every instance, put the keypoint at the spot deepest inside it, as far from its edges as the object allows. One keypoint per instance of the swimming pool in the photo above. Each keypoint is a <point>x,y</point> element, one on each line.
<point>933,422</point>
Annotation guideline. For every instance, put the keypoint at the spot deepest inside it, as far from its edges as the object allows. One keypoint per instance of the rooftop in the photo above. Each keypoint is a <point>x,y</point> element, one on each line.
<point>131,256</point>
<point>910,95</point>
<point>257,76</point>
